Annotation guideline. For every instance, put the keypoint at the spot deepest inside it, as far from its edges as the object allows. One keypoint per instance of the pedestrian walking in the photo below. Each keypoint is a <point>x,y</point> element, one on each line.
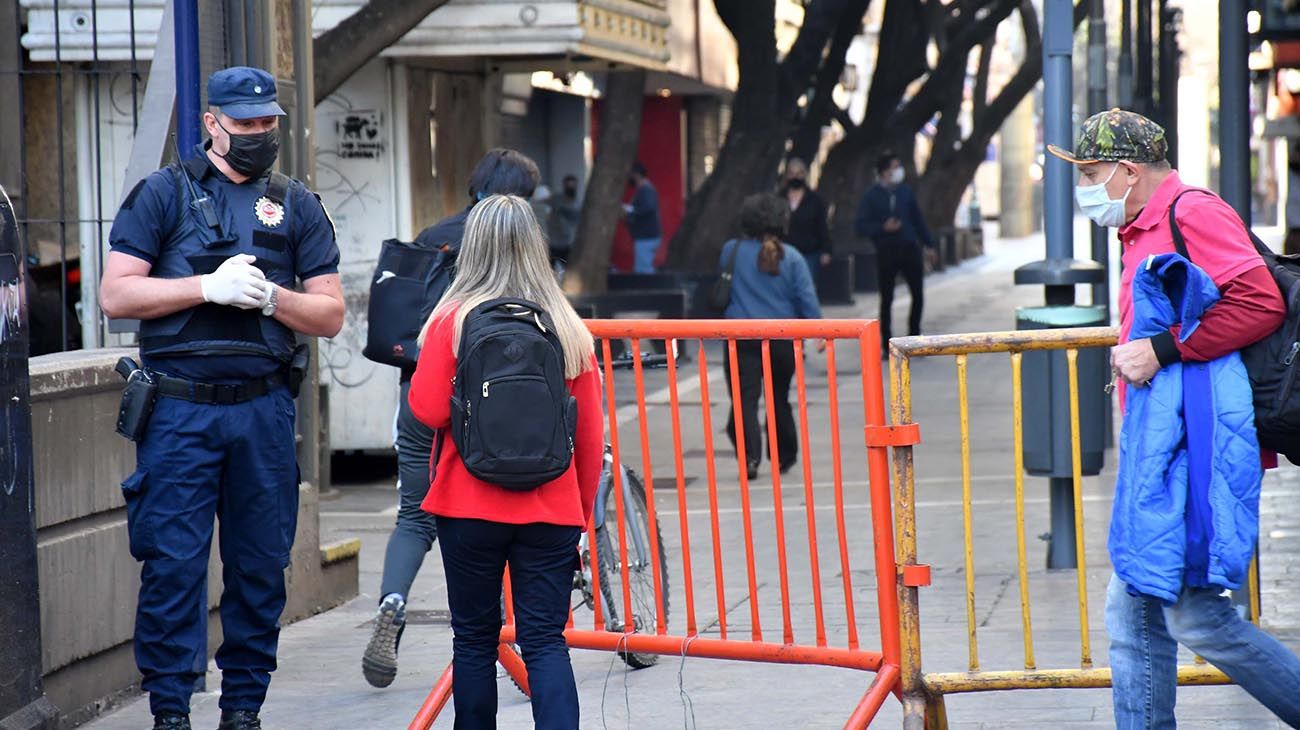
<point>769,280</point>
<point>206,254</point>
<point>501,171</point>
<point>808,213</point>
<point>643,220</point>
<point>505,313</point>
<point>889,214</point>
<point>1185,516</point>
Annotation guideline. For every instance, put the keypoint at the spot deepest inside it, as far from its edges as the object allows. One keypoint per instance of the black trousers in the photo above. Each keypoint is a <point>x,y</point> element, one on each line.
<point>892,259</point>
<point>749,363</point>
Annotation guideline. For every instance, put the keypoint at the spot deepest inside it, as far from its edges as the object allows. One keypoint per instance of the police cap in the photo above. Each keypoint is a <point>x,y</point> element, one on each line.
<point>243,92</point>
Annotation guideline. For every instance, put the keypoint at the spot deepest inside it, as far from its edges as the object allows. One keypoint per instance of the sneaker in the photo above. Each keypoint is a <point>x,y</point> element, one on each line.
<point>171,722</point>
<point>751,469</point>
<point>379,664</point>
<point>239,720</point>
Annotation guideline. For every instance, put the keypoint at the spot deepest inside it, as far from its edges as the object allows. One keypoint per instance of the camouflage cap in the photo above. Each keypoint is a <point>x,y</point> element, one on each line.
<point>1117,135</point>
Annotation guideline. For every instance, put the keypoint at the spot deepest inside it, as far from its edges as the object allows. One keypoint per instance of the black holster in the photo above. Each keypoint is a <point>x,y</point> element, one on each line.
<point>298,365</point>
<point>137,400</point>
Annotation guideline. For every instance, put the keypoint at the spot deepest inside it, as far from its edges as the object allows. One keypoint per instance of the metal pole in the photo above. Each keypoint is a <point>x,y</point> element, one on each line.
<point>1143,88</point>
<point>1097,103</point>
<point>186,27</point>
<point>1124,75</point>
<point>1058,194</point>
<point>1170,58</point>
<point>1058,219</point>
<point>1234,107</point>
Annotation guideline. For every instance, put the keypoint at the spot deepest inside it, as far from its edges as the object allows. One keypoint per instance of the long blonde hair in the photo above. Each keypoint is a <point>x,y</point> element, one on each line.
<point>504,254</point>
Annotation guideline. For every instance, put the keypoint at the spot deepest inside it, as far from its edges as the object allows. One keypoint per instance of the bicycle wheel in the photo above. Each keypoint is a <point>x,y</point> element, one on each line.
<point>640,570</point>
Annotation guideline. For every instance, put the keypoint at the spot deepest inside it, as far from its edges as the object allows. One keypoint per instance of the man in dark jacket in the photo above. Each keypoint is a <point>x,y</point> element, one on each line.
<point>889,215</point>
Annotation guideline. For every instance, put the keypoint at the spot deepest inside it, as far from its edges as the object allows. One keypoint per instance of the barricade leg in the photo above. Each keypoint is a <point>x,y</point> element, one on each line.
<point>434,703</point>
<point>936,714</point>
<point>514,666</point>
<point>870,704</point>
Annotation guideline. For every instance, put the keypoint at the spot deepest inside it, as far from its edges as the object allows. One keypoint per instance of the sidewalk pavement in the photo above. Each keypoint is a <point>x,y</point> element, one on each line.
<point>319,683</point>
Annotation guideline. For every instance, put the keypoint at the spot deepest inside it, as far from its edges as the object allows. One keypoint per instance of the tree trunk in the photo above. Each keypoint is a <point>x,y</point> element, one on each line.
<point>762,116</point>
<point>619,134</point>
<point>348,46</point>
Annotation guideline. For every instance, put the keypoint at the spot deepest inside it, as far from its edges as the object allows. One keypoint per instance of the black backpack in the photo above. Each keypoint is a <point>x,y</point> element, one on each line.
<point>512,417</point>
<point>408,282</point>
<point>1273,363</point>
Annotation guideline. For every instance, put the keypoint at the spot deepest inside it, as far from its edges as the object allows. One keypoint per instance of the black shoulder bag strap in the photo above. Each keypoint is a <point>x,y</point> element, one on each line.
<point>731,263</point>
<point>1180,244</point>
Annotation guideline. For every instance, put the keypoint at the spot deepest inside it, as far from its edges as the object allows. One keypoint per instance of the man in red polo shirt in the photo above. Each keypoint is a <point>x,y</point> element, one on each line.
<point>1126,182</point>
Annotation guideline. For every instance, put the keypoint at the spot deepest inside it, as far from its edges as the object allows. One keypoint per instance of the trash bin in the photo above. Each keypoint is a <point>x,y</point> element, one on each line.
<point>865,278</point>
<point>835,281</point>
<point>1045,385</point>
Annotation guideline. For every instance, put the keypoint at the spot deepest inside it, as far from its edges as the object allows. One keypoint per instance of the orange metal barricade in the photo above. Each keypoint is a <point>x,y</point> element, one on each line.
<point>655,633</point>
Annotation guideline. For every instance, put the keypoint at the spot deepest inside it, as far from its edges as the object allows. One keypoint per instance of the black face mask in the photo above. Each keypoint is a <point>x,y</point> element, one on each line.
<point>252,155</point>
<point>797,183</point>
<point>571,191</point>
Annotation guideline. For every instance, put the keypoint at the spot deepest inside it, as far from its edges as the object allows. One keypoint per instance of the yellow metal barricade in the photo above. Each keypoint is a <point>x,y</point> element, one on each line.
<point>923,692</point>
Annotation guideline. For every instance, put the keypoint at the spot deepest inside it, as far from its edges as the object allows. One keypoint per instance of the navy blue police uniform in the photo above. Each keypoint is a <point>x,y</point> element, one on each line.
<point>220,442</point>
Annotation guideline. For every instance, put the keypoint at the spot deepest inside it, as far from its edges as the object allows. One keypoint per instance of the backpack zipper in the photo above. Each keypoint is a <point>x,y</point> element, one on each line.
<point>485,387</point>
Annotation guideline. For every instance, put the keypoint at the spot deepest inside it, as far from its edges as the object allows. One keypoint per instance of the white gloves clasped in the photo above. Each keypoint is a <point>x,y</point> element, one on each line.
<point>237,283</point>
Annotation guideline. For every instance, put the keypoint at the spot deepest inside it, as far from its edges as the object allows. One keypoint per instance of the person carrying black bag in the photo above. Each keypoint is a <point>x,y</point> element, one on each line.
<point>501,171</point>
<point>769,280</point>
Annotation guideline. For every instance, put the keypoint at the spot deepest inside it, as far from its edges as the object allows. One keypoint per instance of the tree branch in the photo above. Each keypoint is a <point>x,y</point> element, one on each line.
<point>982,76</point>
<point>348,46</point>
<point>822,106</point>
<point>929,98</point>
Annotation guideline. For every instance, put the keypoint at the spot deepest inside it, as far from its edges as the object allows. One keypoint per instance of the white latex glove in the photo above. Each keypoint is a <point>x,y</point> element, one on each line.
<point>236,282</point>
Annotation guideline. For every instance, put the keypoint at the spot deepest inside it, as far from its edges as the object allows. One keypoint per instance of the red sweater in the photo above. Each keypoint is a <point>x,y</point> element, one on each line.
<point>454,492</point>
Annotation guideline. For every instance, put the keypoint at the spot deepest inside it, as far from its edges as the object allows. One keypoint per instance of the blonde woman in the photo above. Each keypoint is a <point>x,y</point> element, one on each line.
<point>481,526</point>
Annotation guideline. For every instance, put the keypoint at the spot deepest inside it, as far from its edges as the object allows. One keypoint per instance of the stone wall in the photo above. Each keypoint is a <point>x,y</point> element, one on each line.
<point>88,579</point>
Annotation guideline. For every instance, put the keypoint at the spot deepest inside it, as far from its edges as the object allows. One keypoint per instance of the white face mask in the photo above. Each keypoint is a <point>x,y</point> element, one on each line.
<point>896,176</point>
<point>1097,204</point>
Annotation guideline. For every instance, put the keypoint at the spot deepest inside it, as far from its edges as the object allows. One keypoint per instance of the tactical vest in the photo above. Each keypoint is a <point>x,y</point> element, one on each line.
<point>253,218</point>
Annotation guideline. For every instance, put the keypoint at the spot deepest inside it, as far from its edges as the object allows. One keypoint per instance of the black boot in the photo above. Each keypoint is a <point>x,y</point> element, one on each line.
<point>239,720</point>
<point>171,722</point>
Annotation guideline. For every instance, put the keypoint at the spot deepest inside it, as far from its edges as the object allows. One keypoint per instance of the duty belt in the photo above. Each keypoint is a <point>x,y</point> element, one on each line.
<point>218,393</point>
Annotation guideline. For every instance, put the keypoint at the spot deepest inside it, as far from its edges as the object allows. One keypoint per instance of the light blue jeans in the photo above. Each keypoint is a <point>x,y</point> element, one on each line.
<point>1144,639</point>
<point>645,248</point>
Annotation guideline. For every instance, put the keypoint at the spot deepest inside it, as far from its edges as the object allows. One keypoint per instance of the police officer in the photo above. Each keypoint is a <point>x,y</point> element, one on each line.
<point>206,254</point>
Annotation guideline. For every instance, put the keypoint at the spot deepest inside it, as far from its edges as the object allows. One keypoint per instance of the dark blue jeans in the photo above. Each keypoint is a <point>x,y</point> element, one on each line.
<point>542,560</point>
<point>235,465</point>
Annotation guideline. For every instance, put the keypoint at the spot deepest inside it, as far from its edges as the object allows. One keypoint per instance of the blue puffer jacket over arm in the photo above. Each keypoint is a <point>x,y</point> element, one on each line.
<point>1186,506</point>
